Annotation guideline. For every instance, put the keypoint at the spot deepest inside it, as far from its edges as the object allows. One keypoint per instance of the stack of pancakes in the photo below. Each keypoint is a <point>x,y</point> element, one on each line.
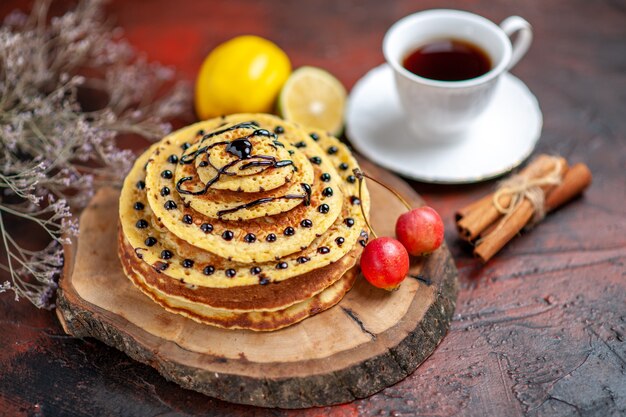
<point>244,221</point>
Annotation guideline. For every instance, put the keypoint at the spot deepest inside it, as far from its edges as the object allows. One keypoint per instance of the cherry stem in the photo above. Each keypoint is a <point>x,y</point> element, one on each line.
<point>360,176</point>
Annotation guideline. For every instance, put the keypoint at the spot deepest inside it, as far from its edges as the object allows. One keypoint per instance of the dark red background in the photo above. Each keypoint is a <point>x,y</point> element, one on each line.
<point>539,330</point>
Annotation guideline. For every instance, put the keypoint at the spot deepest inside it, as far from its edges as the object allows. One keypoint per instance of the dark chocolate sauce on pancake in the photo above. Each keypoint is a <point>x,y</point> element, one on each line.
<point>243,125</point>
<point>306,197</point>
<point>241,148</point>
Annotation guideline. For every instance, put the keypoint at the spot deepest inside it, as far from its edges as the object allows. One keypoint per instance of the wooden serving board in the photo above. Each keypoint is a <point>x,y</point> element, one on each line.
<point>370,340</point>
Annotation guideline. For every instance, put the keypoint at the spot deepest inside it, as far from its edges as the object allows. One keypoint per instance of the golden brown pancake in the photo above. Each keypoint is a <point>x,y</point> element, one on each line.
<point>244,221</point>
<point>172,207</point>
<point>347,230</point>
<point>255,320</point>
<point>245,183</point>
<point>247,298</point>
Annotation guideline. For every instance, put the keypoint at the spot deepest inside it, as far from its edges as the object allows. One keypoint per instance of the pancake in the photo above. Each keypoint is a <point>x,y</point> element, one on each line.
<point>172,209</point>
<point>249,298</point>
<point>243,221</point>
<point>248,179</point>
<point>346,231</point>
<point>236,173</point>
<point>258,320</point>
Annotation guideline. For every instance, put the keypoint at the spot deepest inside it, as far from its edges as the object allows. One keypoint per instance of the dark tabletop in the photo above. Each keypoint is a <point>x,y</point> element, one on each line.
<point>539,330</point>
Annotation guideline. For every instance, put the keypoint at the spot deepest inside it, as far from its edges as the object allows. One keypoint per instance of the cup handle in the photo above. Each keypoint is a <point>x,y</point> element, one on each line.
<point>514,24</point>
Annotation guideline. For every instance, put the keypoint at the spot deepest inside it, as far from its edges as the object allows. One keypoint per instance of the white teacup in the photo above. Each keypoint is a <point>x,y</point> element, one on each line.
<point>444,110</point>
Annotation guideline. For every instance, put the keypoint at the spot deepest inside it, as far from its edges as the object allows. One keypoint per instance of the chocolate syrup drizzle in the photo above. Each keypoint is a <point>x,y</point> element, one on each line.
<point>241,148</point>
<point>306,197</point>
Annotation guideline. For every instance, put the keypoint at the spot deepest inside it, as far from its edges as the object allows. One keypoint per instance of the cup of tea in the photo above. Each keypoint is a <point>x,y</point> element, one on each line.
<point>447,64</point>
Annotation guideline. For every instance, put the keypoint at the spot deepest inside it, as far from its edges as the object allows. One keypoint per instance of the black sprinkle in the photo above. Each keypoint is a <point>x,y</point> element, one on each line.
<point>185,146</point>
<point>332,150</point>
<point>279,130</point>
<point>327,192</point>
<point>289,231</point>
<point>306,223</point>
<point>203,164</point>
<point>172,159</point>
<point>271,237</point>
<point>339,241</point>
<point>351,179</point>
<point>324,208</point>
<point>150,241</point>
<point>325,177</point>
<point>228,235</point>
<point>300,144</point>
<point>303,259</point>
<point>141,185</point>
<point>165,191</point>
<point>343,166</point>
<point>231,273</point>
<point>141,224</point>
<point>161,266</point>
<point>263,281</point>
<point>187,219</point>
<point>138,206</point>
<point>349,222</point>
<point>316,160</point>
<point>167,174</point>
<point>323,250</point>
<point>282,265</point>
<point>314,136</point>
<point>363,242</point>
<point>206,227</point>
<point>166,254</point>
<point>200,132</point>
<point>255,270</point>
<point>187,263</point>
<point>355,200</point>
<point>169,205</point>
<point>208,270</point>
<point>250,238</point>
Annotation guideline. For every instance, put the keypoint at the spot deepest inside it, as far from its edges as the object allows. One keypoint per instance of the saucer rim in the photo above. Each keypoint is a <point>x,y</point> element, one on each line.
<point>434,179</point>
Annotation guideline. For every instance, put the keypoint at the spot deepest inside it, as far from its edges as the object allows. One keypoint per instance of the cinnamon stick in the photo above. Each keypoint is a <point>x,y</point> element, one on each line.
<point>476,217</point>
<point>493,242</point>
<point>521,216</point>
<point>476,205</point>
<point>575,181</point>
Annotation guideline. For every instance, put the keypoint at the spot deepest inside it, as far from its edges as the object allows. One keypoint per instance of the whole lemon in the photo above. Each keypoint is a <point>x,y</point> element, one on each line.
<point>242,75</point>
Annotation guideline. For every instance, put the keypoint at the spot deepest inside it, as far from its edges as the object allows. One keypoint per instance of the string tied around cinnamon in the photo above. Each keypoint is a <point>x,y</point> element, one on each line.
<point>519,188</point>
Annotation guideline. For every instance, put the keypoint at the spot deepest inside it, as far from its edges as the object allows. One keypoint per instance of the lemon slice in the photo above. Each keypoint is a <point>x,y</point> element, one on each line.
<point>313,97</point>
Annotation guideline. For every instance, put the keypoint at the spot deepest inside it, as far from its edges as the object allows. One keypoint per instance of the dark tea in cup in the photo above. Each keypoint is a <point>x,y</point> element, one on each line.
<point>448,60</point>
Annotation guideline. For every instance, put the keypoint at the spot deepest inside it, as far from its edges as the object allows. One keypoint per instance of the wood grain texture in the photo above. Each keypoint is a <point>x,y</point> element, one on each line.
<point>370,340</point>
<point>538,331</point>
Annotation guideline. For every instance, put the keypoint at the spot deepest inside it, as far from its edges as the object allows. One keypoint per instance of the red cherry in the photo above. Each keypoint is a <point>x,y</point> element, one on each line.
<point>385,263</point>
<point>420,230</point>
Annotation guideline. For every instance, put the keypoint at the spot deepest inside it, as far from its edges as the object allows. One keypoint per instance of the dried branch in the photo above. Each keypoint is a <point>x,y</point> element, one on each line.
<point>54,149</point>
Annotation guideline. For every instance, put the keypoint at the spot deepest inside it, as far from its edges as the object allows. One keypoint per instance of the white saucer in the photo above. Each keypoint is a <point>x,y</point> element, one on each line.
<point>503,136</point>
